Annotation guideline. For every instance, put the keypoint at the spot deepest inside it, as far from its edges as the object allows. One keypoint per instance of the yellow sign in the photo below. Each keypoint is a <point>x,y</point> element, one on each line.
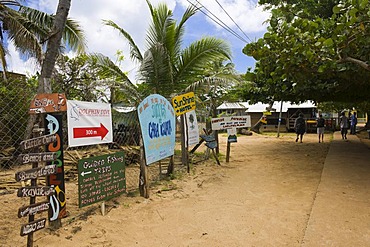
<point>183,103</point>
<point>267,113</point>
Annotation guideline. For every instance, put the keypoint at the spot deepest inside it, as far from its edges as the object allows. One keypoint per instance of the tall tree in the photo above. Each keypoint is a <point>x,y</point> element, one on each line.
<point>30,29</point>
<point>166,67</point>
<point>314,53</point>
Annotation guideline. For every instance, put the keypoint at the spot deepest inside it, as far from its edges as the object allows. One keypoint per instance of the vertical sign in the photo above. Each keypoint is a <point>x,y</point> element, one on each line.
<point>157,121</point>
<point>192,129</point>
<point>89,123</point>
<point>57,208</point>
<point>101,178</point>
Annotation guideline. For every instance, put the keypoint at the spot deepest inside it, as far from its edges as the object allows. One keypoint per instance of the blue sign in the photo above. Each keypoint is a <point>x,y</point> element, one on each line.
<point>157,121</point>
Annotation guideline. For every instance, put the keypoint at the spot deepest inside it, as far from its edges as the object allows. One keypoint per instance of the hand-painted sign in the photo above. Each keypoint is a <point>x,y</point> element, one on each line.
<point>38,141</point>
<point>37,157</point>
<point>33,209</point>
<point>183,103</point>
<point>47,103</point>
<point>231,122</point>
<point>89,123</point>
<point>33,226</point>
<point>58,207</point>
<point>157,121</point>
<point>35,173</point>
<point>101,178</point>
<point>192,129</point>
<point>33,191</point>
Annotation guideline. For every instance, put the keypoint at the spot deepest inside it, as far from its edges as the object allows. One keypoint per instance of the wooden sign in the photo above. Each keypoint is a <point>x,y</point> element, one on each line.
<point>37,157</point>
<point>38,141</point>
<point>33,226</point>
<point>33,209</point>
<point>210,141</point>
<point>32,191</point>
<point>101,178</point>
<point>35,173</point>
<point>183,103</point>
<point>231,122</point>
<point>48,103</point>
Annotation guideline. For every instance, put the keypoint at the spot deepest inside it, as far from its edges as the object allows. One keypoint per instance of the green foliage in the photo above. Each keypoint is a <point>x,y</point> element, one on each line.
<point>166,67</point>
<point>310,54</point>
<point>16,95</point>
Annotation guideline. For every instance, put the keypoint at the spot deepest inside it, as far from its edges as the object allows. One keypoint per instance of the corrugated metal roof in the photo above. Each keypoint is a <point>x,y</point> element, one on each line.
<point>261,107</point>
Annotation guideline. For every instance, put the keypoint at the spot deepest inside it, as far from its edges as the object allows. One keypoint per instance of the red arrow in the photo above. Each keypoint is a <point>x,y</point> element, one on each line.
<point>90,132</point>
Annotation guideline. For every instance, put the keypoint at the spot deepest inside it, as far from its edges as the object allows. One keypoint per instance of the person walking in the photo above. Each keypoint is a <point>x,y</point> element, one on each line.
<point>353,123</point>
<point>300,127</point>
<point>343,123</point>
<point>320,124</point>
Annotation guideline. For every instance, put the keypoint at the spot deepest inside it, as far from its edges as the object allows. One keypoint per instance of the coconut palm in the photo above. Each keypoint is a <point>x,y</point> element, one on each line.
<point>30,29</point>
<point>166,67</point>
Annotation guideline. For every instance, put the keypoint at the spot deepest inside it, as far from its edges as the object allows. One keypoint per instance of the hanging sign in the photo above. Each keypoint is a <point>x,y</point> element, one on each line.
<point>89,123</point>
<point>157,121</point>
<point>48,103</point>
<point>231,122</point>
<point>183,103</point>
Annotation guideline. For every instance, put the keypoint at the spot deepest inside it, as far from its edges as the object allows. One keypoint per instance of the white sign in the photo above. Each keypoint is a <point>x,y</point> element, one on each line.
<point>89,123</point>
<point>231,122</point>
<point>192,129</point>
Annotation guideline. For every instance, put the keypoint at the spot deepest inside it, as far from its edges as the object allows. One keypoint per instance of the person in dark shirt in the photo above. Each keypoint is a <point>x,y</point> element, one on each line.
<point>300,127</point>
<point>320,124</point>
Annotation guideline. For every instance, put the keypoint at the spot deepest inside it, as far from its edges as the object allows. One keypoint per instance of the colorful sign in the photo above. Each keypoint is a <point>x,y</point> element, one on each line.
<point>58,208</point>
<point>89,123</point>
<point>192,129</point>
<point>101,178</point>
<point>183,103</point>
<point>48,103</point>
<point>157,121</point>
<point>231,122</point>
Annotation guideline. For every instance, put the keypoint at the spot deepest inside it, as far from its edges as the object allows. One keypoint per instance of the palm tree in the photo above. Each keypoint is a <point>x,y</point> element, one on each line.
<point>166,68</point>
<point>29,30</point>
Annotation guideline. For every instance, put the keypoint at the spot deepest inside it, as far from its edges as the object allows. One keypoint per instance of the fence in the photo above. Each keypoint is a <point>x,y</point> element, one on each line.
<point>15,98</point>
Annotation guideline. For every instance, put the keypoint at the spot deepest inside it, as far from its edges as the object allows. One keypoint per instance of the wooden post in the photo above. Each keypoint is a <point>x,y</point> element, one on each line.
<point>103,208</point>
<point>36,133</point>
<point>184,150</point>
<point>143,177</point>
<point>228,152</point>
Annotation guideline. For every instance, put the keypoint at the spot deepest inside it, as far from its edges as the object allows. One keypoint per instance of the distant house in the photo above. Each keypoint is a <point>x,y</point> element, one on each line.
<point>289,112</point>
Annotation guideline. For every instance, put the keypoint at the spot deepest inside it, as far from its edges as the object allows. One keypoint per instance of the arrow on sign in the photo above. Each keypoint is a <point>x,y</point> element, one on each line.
<point>90,132</point>
<point>85,173</point>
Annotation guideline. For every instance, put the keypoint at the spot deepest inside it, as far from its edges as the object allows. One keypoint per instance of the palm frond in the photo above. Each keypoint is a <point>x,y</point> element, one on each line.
<point>135,53</point>
<point>194,58</point>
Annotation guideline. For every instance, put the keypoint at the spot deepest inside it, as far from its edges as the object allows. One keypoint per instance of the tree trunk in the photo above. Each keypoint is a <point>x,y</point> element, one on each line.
<point>52,50</point>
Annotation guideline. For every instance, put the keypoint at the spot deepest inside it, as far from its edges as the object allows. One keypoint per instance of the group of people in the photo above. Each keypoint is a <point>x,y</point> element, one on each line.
<point>300,126</point>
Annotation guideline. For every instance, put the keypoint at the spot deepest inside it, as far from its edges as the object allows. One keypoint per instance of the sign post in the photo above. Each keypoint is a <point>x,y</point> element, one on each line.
<point>230,124</point>
<point>182,104</point>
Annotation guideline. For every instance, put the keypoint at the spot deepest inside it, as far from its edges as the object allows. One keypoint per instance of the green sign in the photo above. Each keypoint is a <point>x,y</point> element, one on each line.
<point>101,178</point>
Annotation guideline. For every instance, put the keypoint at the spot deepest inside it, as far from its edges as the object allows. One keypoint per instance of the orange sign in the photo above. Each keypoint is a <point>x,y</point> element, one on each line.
<point>48,103</point>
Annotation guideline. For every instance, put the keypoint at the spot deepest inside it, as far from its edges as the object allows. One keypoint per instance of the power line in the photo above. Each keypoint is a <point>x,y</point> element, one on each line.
<point>233,20</point>
<point>218,21</point>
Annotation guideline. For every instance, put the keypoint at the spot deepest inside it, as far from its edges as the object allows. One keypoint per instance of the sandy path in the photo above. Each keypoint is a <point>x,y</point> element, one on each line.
<point>262,197</point>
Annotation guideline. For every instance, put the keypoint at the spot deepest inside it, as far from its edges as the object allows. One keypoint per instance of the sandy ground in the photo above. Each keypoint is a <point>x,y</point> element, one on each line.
<point>262,197</point>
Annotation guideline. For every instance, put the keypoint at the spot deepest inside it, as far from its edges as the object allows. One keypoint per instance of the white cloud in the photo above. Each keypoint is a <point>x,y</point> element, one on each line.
<point>133,16</point>
<point>20,65</point>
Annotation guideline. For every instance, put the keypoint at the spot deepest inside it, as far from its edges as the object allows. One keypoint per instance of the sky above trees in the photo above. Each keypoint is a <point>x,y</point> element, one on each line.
<point>134,17</point>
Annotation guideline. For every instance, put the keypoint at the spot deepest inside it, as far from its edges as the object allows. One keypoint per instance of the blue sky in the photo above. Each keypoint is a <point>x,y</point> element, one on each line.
<point>133,16</point>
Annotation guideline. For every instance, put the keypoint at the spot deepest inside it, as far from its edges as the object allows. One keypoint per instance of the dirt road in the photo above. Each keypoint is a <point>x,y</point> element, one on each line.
<point>262,197</point>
